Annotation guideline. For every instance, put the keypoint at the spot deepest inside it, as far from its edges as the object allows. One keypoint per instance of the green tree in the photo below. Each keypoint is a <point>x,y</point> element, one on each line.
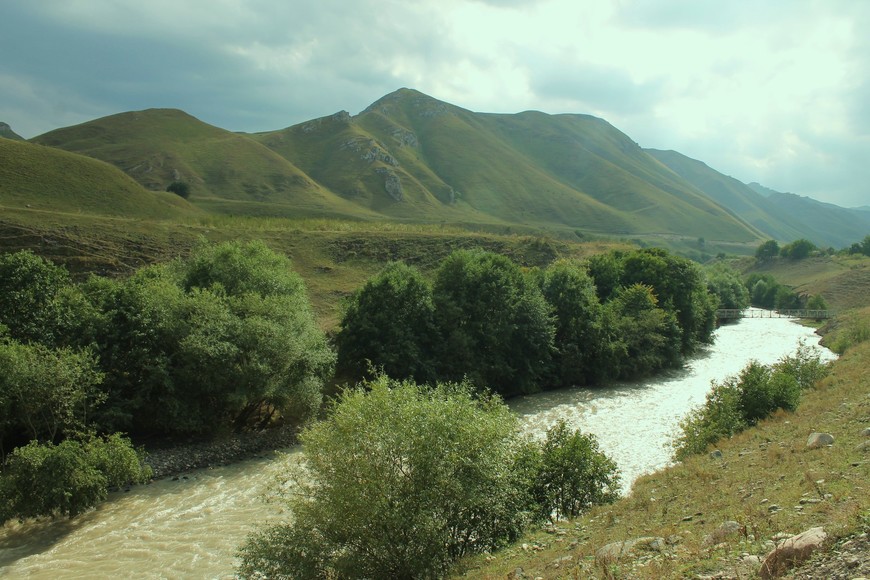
<point>649,335</point>
<point>180,188</point>
<point>767,251</point>
<point>389,324</point>
<point>798,249</point>
<point>724,282</point>
<point>579,336</point>
<point>399,483</point>
<point>34,298</point>
<point>225,337</point>
<point>573,474</point>
<point>495,326</point>
<point>46,393</point>
<point>817,302</point>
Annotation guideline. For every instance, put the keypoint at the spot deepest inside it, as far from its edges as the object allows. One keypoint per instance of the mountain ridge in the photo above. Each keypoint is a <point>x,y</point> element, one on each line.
<point>411,157</point>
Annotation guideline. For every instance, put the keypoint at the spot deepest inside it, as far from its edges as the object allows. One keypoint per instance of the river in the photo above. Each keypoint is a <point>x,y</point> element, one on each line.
<point>191,527</point>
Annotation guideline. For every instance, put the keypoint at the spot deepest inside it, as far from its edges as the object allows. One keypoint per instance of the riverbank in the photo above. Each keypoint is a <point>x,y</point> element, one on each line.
<point>718,516</point>
<point>175,460</point>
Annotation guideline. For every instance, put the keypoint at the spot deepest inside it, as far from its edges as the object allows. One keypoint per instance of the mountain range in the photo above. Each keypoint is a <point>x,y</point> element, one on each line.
<point>413,158</point>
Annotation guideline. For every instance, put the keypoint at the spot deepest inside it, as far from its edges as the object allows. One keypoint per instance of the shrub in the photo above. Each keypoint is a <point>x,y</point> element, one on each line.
<point>572,474</point>
<point>763,390</point>
<point>742,401</point>
<point>719,417</point>
<point>43,479</point>
<point>400,482</point>
<point>46,393</point>
<point>179,188</point>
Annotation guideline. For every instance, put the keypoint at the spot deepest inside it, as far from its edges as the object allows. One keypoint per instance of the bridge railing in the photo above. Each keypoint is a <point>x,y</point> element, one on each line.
<point>731,313</point>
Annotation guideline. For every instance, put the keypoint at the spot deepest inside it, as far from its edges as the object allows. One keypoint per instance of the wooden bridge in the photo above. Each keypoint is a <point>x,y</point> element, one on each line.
<point>731,313</point>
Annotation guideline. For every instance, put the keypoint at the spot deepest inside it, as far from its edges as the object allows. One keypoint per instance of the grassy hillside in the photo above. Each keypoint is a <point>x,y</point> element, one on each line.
<point>43,178</point>
<point>843,281</point>
<point>226,171</point>
<point>738,197</point>
<point>7,132</point>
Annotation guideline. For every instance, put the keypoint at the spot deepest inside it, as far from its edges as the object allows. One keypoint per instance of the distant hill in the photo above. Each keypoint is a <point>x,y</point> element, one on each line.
<point>35,177</point>
<point>781,216</point>
<point>7,132</point>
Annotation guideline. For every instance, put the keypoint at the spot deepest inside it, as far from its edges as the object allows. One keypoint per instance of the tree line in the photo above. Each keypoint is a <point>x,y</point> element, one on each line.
<point>619,315</point>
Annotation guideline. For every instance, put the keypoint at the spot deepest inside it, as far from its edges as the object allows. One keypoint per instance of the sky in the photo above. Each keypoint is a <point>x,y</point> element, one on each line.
<point>773,91</point>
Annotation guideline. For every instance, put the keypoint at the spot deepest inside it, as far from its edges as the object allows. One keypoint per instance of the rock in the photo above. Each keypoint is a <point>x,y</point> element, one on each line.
<point>792,551</point>
<point>725,530</point>
<point>866,432</point>
<point>392,183</point>
<point>865,446</point>
<point>716,454</point>
<point>615,551</point>
<point>817,440</point>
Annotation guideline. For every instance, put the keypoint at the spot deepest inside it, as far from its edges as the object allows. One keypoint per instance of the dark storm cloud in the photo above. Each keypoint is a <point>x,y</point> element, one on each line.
<point>264,64</point>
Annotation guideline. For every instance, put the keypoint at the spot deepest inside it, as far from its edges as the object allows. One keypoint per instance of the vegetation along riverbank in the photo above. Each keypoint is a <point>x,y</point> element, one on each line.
<point>224,339</point>
<point>720,513</point>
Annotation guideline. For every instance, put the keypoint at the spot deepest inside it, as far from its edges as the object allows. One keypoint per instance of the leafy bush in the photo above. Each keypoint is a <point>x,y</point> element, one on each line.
<point>724,282</point>
<point>572,474</point>
<point>29,290</point>
<point>43,479</point>
<point>179,188</point>
<point>718,418</point>
<point>400,482</point>
<point>46,393</point>
<point>741,401</point>
<point>763,390</point>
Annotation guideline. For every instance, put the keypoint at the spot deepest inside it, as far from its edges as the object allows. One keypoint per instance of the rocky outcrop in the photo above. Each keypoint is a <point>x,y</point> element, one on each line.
<point>392,183</point>
<point>369,150</point>
<point>791,552</point>
<point>405,138</point>
<point>816,440</point>
<point>616,551</point>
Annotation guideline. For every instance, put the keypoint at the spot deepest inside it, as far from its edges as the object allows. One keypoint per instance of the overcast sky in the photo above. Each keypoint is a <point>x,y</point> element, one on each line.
<point>774,91</point>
